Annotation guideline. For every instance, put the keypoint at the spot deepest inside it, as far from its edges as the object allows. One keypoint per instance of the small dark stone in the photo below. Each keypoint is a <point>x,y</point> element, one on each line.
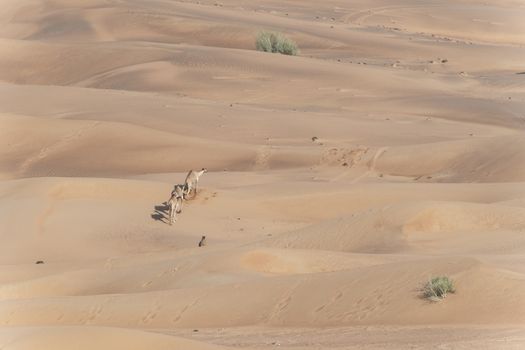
<point>345,164</point>
<point>39,262</point>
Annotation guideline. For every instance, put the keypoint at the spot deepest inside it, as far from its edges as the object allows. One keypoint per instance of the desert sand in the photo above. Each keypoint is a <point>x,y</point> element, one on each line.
<point>389,151</point>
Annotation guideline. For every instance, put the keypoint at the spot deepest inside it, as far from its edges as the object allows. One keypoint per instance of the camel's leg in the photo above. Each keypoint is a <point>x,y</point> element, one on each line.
<point>171,213</point>
<point>191,192</point>
<point>194,190</point>
<point>188,191</point>
<point>179,205</point>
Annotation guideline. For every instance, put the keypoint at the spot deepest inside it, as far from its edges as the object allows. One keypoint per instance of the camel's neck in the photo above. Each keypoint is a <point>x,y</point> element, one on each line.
<point>199,173</point>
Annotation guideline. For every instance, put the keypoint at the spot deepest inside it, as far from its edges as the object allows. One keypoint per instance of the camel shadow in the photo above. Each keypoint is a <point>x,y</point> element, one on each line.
<point>160,213</point>
<point>162,208</point>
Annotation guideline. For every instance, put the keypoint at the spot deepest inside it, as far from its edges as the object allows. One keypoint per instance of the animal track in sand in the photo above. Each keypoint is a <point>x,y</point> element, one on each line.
<point>96,310</point>
<point>339,156</point>
<point>359,17</point>
<point>284,302</point>
<point>206,196</point>
<point>163,273</point>
<point>146,284</point>
<point>151,314</point>
<point>262,157</point>
<point>320,308</point>
<point>186,308</point>
<point>334,299</point>
<point>356,157</point>
<point>93,313</point>
<point>363,307</point>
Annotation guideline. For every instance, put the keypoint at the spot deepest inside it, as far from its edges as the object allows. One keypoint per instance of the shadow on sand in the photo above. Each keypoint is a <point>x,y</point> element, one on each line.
<point>161,213</point>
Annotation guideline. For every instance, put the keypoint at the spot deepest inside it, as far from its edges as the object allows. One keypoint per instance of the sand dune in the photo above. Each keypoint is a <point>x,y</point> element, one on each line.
<point>388,152</point>
<point>417,226</point>
<point>89,337</point>
<point>370,295</point>
<point>480,160</point>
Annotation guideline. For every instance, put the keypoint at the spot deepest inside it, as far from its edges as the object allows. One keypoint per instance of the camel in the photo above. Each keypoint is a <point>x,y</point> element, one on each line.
<point>202,242</point>
<point>191,182</point>
<point>175,202</point>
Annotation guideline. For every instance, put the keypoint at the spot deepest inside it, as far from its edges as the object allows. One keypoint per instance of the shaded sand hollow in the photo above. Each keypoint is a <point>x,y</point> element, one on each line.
<point>390,150</point>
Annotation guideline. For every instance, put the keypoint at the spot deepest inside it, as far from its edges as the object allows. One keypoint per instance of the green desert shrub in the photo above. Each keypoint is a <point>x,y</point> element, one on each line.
<point>275,42</point>
<point>437,288</point>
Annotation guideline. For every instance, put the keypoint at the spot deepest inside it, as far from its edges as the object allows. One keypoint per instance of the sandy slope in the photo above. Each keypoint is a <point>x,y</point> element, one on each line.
<point>391,150</point>
<point>92,337</point>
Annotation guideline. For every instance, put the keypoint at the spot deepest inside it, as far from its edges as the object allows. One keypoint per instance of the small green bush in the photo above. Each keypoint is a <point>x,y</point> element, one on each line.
<point>276,43</point>
<point>438,288</point>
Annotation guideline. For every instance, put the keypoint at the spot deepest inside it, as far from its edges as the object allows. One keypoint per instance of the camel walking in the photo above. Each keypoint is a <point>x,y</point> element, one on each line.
<point>192,179</point>
<point>175,202</point>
